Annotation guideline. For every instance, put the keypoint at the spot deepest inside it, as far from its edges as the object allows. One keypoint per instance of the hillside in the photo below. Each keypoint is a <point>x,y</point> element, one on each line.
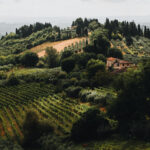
<point>59,45</point>
<point>140,48</point>
<point>12,44</point>
<point>60,89</point>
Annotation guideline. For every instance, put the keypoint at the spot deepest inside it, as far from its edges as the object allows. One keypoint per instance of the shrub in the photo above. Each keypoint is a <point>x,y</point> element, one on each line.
<point>89,49</point>
<point>73,91</point>
<point>40,64</point>
<point>68,64</point>
<point>94,66</point>
<point>75,75</point>
<point>97,97</point>
<point>12,80</point>
<point>103,78</point>
<point>62,75</point>
<point>115,52</point>
<point>52,57</point>
<point>65,83</point>
<point>87,126</point>
<point>29,59</point>
<point>101,57</point>
<point>83,83</point>
<point>83,58</point>
<point>34,128</point>
<point>83,94</point>
<point>66,54</point>
<point>2,75</point>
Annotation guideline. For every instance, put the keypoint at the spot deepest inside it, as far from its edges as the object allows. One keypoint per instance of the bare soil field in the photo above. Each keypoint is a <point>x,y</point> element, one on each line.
<point>59,46</point>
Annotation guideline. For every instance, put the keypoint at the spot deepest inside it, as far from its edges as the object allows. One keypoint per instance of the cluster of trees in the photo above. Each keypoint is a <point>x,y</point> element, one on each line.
<point>26,30</point>
<point>100,44</point>
<point>129,112</point>
<point>146,32</point>
<point>28,59</point>
<point>82,26</point>
<point>127,29</point>
<point>131,108</point>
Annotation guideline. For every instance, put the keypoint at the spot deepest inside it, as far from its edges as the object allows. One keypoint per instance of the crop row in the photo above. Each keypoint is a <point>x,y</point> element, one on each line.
<point>62,113</point>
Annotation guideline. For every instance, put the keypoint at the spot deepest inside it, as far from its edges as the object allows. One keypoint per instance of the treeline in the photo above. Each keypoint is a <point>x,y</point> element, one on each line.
<point>126,28</point>
<point>26,30</point>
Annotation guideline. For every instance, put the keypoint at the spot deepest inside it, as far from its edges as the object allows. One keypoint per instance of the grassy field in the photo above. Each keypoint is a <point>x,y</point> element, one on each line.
<point>59,45</point>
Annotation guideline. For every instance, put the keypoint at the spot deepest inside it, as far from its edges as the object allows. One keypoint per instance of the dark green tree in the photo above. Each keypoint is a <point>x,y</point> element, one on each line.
<point>68,64</point>
<point>66,53</point>
<point>29,59</point>
<point>100,41</point>
<point>86,127</point>
<point>132,105</point>
<point>115,52</point>
<point>52,57</point>
<point>94,66</point>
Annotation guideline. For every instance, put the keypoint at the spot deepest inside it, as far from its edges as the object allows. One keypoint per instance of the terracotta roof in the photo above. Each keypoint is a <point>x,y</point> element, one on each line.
<point>119,60</point>
<point>111,59</point>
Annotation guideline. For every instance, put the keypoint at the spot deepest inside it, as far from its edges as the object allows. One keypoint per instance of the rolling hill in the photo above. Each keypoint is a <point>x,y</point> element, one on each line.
<point>59,45</point>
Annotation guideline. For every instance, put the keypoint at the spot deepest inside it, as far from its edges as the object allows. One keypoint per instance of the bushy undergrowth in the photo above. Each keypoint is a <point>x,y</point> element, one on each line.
<point>73,91</point>
<point>8,145</point>
<point>6,67</point>
<point>97,96</point>
<point>91,125</point>
<point>34,128</point>
<point>31,75</point>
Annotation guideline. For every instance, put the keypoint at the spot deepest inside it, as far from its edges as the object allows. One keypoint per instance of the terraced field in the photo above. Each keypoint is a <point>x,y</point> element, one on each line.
<point>62,113</point>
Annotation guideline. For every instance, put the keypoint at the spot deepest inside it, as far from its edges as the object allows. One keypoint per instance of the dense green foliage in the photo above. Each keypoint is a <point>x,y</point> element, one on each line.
<point>52,57</point>
<point>80,99</point>
<point>25,30</point>
<point>68,64</point>
<point>29,59</point>
<point>131,108</point>
<point>124,27</point>
<point>82,26</point>
<point>13,44</point>
<point>103,97</point>
<point>100,41</point>
<point>94,66</point>
<point>87,126</point>
<point>116,53</point>
<point>34,128</point>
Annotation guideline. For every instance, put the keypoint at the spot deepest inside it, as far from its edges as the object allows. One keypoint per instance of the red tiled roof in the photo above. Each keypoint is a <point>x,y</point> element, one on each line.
<point>111,59</point>
<point>119,60</point>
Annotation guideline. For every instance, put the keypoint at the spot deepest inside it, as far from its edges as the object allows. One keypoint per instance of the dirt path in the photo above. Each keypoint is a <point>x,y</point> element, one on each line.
<point>59,45</point>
